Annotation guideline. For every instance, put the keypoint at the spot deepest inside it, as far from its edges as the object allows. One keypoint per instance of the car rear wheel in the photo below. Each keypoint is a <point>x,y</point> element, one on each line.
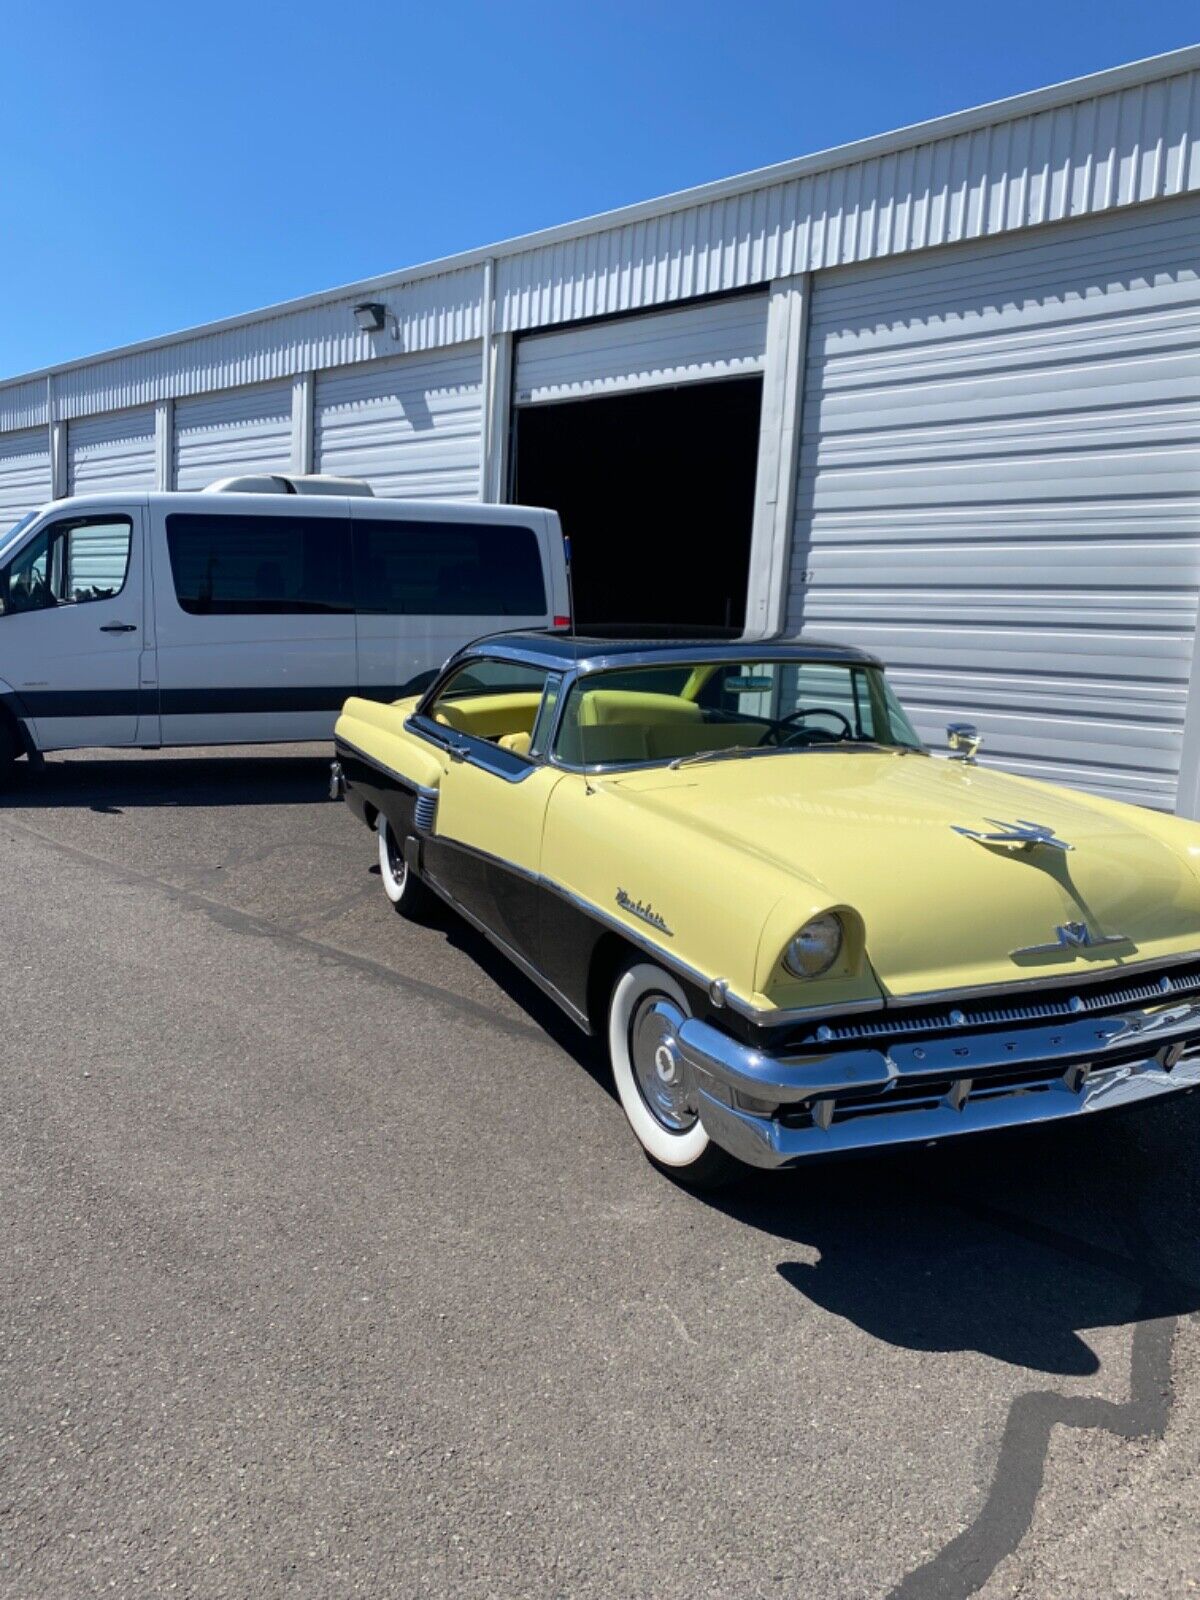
<point>653,1081</point>
<point>403,888</point>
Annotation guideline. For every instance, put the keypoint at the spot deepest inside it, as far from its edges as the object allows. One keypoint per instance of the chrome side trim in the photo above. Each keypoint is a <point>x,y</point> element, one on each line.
<point>425,809</point>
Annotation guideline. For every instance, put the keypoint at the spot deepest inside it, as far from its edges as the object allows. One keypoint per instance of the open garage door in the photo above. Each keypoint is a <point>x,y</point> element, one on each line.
<point>642,433</point>
<point>111,452</point>
<point>24,474</point>
<point>242,430</point>
<point>999,490</point>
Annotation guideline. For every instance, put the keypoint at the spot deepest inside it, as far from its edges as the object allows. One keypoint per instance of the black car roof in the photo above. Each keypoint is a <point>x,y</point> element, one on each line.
<point>591,652</point>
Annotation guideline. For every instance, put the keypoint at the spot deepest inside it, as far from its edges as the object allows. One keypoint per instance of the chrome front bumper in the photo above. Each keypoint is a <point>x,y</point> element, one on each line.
<point>775,1111</point>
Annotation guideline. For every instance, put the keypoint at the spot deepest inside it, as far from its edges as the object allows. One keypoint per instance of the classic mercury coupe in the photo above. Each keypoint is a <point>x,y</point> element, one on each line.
<point>800,933</point>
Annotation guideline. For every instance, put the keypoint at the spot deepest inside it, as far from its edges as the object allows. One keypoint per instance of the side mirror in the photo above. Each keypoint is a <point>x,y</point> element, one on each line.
<point>964,739</point>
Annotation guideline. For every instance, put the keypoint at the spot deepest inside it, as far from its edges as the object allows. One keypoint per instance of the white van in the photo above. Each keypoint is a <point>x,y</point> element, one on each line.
<point>250,614</point>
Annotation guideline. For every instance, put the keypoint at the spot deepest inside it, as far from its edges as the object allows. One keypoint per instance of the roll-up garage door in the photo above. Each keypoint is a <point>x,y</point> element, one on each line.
<point>999,490</point>
<point>716,339</point>
<point>238,431</point>
<point>24,473</point>
<point>411,426</point>
<point>112,452</point>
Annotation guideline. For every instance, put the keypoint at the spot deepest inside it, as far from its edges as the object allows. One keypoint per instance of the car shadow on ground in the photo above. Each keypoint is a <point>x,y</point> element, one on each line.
<point>116,784</point>
<point>1013,1245</point>
<point>587,1052</point>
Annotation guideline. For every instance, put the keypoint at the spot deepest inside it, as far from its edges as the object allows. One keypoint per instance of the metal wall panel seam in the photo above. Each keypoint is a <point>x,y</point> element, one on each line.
<point>303,389</point>
<point>779,444</point>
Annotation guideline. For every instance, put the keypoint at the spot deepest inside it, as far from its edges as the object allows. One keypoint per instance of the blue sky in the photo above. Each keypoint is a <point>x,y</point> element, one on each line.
<point>167,164</point>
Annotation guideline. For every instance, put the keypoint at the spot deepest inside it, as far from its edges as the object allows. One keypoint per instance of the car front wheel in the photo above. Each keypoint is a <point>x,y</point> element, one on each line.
<point>653,1081</point>
<point>400,883</point>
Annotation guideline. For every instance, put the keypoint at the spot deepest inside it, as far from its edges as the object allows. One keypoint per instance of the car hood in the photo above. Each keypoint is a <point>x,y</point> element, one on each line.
<point>877,831</point>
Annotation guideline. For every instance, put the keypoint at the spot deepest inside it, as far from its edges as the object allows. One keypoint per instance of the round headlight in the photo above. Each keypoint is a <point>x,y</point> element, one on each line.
<point>816,947</point>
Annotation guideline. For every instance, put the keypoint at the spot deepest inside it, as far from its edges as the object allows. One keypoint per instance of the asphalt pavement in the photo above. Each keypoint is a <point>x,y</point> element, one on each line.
<point>329,1267</point>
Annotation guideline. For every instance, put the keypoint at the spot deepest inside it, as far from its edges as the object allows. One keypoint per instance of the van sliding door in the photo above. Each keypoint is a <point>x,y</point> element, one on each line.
<point>256,639</point>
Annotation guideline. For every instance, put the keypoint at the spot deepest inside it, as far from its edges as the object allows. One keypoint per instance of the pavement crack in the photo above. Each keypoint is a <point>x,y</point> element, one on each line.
<point>964,1565</point>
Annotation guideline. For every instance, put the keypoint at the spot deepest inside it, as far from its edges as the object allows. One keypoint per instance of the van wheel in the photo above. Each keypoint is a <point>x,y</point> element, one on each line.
<point>400,883</point>
<point>10,749</point>
<point>653,1083</point>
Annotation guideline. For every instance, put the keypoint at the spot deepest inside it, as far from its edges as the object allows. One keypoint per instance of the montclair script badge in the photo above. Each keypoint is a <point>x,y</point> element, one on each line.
<point>647,913</point>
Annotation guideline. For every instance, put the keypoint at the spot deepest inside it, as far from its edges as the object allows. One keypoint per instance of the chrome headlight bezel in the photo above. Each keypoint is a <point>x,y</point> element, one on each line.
<point>815,949</point>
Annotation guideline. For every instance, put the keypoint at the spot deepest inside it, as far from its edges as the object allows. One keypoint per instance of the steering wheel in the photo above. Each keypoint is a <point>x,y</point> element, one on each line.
<point>793,733</point>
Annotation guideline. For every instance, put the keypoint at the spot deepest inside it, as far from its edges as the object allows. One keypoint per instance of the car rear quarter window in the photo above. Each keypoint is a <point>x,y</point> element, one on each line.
<point>448,569</point>
<point>229,565</point>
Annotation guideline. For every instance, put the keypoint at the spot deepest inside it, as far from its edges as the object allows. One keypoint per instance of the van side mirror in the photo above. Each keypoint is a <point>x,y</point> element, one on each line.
<point>964,739</point>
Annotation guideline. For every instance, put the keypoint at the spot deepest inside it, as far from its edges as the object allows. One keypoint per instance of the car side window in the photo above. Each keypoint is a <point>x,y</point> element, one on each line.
<point>497,701</point>
<point>68,563</point>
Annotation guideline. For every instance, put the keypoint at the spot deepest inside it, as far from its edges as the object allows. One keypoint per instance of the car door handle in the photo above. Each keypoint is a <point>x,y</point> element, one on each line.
<point>118,627</point>
<point>459,752</point>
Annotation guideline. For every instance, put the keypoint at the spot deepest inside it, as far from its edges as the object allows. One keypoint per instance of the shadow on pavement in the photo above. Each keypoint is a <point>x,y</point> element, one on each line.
<point>1012,1245</point>
<point>114,785</point>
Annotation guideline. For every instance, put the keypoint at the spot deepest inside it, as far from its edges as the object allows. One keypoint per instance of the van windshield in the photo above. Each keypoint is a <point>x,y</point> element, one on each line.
<point>14,533</point>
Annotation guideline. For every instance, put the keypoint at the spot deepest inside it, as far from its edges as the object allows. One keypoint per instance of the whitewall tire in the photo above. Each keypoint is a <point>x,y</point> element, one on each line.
<point>652,1080</point>
<point>400,883</point>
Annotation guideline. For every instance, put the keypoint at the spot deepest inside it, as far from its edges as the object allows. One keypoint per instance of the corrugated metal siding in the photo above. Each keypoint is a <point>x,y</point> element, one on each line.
<point>999,491</point>
<point>1116,149</point>
<point>411,427</point>
<point>111,453</point>
<point>430,313</point>
<point>1057,154</point>
<point>719,339</point>
<point>246,430</point>
<point>24,474</point>
<point>23,405</point>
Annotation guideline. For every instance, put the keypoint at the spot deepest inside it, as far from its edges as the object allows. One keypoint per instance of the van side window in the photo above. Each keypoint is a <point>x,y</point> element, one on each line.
<point>228,565</point>
<point>68,563</point>
<point>448,569</point>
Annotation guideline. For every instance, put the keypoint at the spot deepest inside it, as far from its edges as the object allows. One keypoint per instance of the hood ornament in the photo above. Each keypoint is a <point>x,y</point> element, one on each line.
<point>1019,835</point>
<point>1072,936</point>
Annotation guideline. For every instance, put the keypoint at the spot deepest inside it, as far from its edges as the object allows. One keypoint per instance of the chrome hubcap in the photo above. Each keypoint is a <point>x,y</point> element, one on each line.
<point>659,1070</point>
<point>397,865</point>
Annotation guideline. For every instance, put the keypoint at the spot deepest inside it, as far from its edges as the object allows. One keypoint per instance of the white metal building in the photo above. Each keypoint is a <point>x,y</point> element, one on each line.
<point>936,393</point>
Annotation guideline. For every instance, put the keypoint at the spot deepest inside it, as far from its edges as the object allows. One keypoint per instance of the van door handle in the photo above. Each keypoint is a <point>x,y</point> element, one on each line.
<point>118,627</point>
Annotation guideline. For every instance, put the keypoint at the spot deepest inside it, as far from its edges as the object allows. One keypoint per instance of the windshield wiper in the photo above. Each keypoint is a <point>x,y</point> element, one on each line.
<point>729,752</point>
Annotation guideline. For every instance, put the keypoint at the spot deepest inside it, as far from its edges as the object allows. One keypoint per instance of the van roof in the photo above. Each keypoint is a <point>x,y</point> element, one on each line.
<point>314,505</point>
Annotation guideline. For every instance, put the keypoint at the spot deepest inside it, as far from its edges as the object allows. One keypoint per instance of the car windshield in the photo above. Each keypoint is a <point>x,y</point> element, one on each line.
<point>728,710</point>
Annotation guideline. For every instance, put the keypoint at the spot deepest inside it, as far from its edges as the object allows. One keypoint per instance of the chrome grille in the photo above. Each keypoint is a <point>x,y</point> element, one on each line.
<point>1104,996</point>
<point>425,809</point>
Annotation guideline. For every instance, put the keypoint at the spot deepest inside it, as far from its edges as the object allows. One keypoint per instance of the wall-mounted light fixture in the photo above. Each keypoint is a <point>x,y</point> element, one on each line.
<point>371,316</point>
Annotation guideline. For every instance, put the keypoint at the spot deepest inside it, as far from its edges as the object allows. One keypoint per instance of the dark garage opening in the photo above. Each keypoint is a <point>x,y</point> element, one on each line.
<point>656,493</point>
